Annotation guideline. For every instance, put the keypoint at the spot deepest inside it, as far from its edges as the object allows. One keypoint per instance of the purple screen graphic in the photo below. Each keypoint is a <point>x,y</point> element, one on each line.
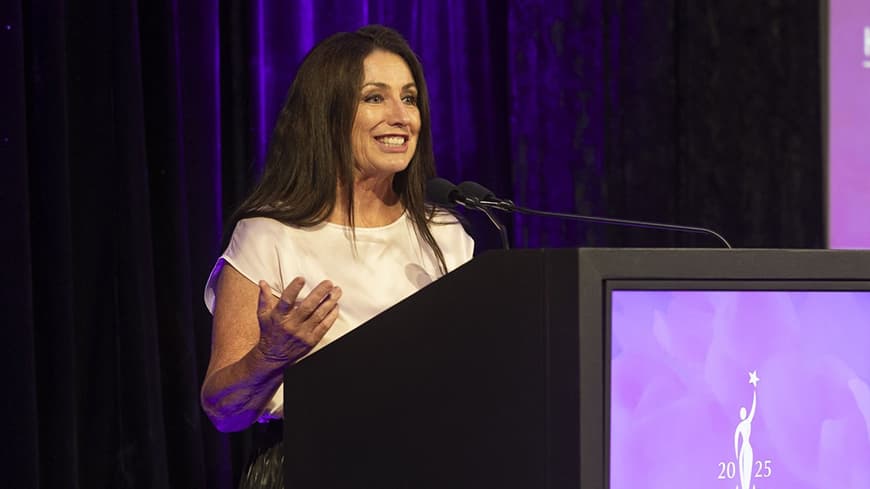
<point>849,124</point>
<point>740,389</point>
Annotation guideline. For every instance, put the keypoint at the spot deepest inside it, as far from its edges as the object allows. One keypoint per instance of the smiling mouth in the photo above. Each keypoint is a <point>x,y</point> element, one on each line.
<point>393,141</point>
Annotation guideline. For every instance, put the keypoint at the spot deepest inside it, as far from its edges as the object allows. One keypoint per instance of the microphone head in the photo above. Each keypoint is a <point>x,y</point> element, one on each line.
<point>441,192</point>
<point>474,189</point>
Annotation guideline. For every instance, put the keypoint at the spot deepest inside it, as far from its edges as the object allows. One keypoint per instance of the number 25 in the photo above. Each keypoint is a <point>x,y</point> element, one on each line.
<point>763,470</point>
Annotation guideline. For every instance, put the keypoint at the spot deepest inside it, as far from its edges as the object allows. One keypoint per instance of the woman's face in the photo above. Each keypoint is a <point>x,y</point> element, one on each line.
<point>387,122</point>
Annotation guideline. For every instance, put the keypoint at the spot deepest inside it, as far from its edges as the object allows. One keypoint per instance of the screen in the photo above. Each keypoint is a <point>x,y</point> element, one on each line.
<point>848,123</point>
<point>739,389</point>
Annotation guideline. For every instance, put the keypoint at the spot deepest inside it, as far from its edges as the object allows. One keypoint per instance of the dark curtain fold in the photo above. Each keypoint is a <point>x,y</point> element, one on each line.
<point>19,376</point>
<point>698,113</point>
<point>749,121</point>
<point>130,129</point>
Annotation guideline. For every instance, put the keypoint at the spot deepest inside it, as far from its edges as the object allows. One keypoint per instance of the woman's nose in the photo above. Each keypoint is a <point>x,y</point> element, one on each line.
<point>398,113</point>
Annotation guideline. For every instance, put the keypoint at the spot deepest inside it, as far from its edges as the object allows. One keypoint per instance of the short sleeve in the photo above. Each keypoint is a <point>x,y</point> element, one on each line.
<point>456,244</point>
<point>253,251</point>
<point>465,247</point>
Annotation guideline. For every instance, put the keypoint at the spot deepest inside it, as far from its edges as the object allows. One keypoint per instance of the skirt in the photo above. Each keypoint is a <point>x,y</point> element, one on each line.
<point>266,467</point>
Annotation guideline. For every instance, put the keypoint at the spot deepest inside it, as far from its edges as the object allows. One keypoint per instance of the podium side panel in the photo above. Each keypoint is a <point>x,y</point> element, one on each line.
<point>449,388</point>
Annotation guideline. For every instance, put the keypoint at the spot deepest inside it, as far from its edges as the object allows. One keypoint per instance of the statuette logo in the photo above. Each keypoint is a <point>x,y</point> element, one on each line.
<point>744,467</point>
<point>742,446</point>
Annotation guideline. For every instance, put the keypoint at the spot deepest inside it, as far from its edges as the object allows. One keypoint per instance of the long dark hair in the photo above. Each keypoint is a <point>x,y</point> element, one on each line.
<point>310,148</point>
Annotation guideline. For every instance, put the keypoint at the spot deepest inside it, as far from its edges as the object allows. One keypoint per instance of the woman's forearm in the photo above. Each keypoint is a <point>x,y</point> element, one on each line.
<point>235,396</point>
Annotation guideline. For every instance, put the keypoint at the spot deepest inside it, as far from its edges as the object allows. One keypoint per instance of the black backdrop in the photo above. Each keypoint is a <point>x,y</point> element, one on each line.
<point>128,129</point>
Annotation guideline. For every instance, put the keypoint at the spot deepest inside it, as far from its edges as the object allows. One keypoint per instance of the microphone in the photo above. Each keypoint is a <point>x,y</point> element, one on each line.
<point>486,198</point>
<point>444,193</point>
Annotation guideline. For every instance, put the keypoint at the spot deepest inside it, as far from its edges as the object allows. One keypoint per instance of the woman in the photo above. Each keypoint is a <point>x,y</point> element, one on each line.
<point>337,229</point>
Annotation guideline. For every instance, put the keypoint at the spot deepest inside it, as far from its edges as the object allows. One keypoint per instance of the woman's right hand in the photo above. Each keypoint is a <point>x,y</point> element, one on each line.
<point>289,328</point>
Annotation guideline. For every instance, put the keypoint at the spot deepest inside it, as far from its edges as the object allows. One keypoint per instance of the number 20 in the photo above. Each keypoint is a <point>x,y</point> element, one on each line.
<point>728,470</point>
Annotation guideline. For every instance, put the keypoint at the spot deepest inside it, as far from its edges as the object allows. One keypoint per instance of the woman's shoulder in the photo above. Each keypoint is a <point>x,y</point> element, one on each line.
<point>268,229</point>
<point>259,235</point>
<point>259,225</point>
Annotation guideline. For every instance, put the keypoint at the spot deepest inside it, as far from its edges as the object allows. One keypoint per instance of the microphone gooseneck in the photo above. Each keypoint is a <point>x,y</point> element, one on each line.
<point>486,198</point>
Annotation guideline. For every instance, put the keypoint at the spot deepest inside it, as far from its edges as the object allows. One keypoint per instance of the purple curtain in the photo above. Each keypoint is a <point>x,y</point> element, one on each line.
<point>557,100</point>
<point>129,130</point>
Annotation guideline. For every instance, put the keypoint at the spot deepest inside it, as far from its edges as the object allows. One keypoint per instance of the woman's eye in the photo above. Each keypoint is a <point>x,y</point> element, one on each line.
<point>410,99</point>
<point>374,99</point>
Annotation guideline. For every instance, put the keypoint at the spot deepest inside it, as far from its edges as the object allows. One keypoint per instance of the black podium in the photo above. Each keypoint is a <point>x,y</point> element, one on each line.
<point>495,376</point>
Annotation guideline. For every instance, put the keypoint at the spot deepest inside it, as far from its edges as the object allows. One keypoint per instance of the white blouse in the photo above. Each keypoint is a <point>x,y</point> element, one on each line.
<point>382,266</point>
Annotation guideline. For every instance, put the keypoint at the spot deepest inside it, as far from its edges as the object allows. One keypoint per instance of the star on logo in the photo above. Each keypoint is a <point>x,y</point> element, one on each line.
<point>753,378</point>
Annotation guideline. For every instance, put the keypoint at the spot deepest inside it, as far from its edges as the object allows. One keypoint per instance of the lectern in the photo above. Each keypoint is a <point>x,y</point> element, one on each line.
<point>499,374</point>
